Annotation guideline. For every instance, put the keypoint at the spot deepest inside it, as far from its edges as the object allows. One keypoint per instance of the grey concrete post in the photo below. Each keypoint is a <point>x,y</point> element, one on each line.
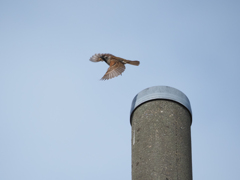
<point>161,118</point>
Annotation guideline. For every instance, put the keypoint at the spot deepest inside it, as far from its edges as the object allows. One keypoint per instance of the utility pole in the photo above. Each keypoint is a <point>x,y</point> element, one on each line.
<point>161,119</point>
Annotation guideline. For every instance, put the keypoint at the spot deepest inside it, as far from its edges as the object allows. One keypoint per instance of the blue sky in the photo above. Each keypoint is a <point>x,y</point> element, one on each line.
<point>59,121</point>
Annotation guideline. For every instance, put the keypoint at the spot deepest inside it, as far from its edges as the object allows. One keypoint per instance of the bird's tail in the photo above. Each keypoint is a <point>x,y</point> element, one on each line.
<point>135,63</point>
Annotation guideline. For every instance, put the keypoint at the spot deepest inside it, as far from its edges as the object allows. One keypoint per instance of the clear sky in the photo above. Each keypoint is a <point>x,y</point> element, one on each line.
<point>59,121</point>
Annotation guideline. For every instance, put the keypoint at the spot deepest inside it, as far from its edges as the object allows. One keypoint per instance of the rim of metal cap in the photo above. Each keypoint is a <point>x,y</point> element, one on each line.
<point>160,92</point>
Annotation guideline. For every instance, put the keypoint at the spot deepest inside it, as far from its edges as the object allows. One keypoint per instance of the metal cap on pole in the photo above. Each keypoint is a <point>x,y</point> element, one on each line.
<point>161,118</point>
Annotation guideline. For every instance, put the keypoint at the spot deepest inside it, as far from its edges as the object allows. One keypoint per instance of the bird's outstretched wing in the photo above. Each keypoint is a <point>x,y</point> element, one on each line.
<point>116,68</point>
<point>96,57</point>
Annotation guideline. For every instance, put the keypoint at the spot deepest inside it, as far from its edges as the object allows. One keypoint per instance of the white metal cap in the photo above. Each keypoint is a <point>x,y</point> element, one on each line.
<point>160,92</point>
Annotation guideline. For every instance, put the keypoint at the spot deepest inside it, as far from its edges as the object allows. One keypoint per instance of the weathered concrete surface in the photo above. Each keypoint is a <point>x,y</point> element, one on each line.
<point>161,141</point>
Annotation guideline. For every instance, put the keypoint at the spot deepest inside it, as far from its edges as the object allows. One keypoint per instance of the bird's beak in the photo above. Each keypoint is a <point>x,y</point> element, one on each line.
<point>101,58</point>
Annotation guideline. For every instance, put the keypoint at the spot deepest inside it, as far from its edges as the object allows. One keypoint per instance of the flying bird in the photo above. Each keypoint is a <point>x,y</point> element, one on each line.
<point>117,64</point>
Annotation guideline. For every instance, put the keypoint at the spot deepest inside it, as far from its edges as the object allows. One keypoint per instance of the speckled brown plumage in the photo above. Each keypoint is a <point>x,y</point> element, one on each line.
<point>117,64</point>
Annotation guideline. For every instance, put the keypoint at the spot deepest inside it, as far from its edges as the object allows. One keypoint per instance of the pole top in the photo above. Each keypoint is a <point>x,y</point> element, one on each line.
<point>160,92</point>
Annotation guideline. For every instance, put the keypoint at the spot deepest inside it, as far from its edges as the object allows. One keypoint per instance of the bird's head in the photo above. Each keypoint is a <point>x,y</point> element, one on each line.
<point>101,57</point>
<point>105,57</point>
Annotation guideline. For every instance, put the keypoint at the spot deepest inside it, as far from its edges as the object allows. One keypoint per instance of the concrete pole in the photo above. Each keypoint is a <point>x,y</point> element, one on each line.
<point>161,118</point>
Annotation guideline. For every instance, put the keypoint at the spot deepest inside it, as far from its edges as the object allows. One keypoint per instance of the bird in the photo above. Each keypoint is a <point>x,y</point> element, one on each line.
<point>116,64</point>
